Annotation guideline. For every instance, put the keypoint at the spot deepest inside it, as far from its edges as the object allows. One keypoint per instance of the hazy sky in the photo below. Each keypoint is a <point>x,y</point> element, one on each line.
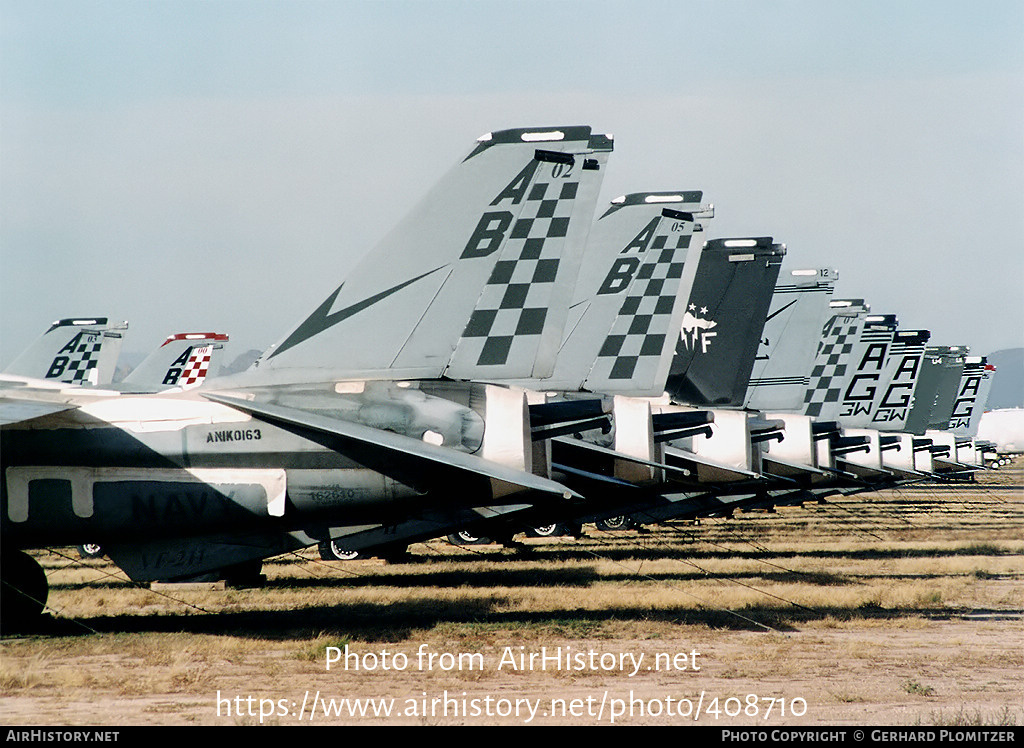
<point>219,165</point>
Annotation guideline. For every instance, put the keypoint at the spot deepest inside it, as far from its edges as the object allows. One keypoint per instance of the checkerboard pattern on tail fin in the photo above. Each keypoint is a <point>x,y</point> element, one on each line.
<point>831,364</point>
<point>79,351</point>
<point>476,280</point>
<point>635,355</point>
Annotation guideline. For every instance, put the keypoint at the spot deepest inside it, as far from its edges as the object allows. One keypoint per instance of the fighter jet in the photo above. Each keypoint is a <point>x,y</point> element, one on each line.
<point>372,407</point>
<point>628,464</point>
<point>628,301</point>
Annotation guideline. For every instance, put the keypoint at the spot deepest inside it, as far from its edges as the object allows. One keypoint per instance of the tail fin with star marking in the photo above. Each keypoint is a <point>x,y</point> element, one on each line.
<point>722,324</point>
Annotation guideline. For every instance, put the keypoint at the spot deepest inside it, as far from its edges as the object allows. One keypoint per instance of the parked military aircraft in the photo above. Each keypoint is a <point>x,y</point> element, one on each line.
<point>647,449</point>
<point>490,363</point>
<point>330,424</point>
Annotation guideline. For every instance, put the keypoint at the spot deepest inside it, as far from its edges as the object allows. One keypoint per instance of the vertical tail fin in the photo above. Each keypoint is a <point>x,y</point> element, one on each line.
<point>863,390</point>
<point>972,395</point>
<point>941,369</point>
<point>516,326</point>
<point>723,321</point>
<point>183,360</point>
<point>476,280</point>
<point>896,387</point>
<point>649,292</point>
<point>954,359</point>
<point>780,378</point>
<point>75,351</point>
<point>634,268</point>
<point>831,363</point>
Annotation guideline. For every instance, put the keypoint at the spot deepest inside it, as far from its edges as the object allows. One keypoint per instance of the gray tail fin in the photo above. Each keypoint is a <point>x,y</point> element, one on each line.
<point>476,281</point>
<point>723,321</point>
<point>863,390</point>
<point>75,351</point>
<point>972,396</point>
<point>896,387</point>
<point>831,362</point>
<point>635,354</point>
<point>183,360</point>
<point>941,370</point>
<point>785,355</point>
<point>634,265</point>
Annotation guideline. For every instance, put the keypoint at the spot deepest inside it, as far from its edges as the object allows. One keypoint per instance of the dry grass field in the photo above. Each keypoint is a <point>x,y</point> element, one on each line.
<point>896,608</point>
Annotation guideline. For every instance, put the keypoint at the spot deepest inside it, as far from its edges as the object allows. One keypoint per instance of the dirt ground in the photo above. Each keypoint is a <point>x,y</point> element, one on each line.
<point>900,608</point>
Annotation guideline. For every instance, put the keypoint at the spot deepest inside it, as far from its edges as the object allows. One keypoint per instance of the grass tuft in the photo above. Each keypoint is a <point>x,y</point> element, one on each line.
<point>913,687</point>
<point>316,650</point>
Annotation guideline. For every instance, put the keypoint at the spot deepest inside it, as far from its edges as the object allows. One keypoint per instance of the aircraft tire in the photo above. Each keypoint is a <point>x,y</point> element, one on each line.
<point>24,591</point>
<point>608,524</point>
<point>330,550</point>
<point>465,537</point>
<point>556,530</point>
<point>91,550</point>
<point>546,531</point>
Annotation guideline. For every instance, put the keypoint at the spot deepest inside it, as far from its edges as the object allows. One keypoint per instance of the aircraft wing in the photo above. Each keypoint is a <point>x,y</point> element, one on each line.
<point>424,467</point>
<point>24,398</point>
<point>16,411</point>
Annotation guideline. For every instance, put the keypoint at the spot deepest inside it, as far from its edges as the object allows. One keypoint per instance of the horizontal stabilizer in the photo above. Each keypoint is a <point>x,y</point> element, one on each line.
<point>765,426</point>
<point>569,446</point>
<point>708,470</point>
<point>686,419</point>
<point>887,442</point>
<point>825,429</point>
<point>26,398</point>
<point>784,468</point>
<point>422,466</point>
<point>841,445</point>
<point>564,411</point>
<point>681,425</point>
<point>587,475</point>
